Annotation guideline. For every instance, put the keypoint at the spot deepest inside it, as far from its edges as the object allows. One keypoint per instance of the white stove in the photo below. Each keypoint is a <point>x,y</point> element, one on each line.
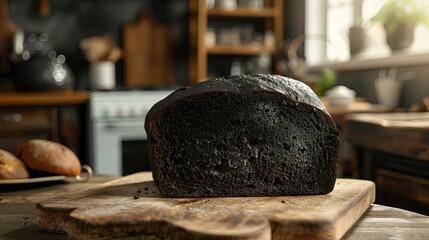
<point>117,136</point>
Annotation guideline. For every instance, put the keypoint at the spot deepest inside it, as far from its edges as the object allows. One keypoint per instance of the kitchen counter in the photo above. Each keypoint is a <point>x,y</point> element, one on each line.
<point>339,112</point>
<point>403,134</point>
<point>391,149</point>
<point>18,216</point>
<point>67,97</point>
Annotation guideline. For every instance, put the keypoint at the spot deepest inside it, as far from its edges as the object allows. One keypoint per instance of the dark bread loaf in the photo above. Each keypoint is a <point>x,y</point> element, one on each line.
<point>11,167</point>
<point>248,135</point>
<point>50,157</point>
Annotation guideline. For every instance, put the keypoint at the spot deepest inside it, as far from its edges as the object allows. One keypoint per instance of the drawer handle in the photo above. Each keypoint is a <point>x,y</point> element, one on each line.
<point>11,118</point>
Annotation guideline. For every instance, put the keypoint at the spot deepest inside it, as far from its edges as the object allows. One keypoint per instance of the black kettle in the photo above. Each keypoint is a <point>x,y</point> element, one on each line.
<point>40,68</point>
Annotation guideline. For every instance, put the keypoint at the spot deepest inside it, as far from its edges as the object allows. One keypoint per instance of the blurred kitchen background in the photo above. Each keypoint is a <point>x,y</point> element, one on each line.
<point>85,73</point>
<point>68,22</point>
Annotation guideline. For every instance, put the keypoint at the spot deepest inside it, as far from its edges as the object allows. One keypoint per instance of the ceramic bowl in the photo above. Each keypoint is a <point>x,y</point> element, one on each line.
<point>340,95</point>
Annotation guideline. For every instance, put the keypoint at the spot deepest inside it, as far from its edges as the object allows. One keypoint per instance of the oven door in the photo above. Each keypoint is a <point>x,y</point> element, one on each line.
<point>120,147</point>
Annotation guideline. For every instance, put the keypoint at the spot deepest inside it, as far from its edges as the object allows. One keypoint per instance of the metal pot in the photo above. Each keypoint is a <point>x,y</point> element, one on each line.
<point>41,72</point>
<point>37,66</point>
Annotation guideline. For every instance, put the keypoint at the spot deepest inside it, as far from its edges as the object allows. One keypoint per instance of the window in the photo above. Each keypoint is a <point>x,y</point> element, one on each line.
<point>333,18</point>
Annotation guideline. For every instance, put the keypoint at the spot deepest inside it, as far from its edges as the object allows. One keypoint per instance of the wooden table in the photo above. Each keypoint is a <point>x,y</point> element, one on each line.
<point>18,216</point>
<point>339,112</point>
<point>391,149</point>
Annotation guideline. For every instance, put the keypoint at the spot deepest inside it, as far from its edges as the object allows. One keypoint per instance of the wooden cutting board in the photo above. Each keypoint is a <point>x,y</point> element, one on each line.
<point>132,206</point>
<point>148,61</point>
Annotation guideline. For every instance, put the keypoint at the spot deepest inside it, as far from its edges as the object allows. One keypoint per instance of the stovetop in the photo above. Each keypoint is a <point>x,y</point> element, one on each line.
<point>132,89</point>
<point>126,103</point>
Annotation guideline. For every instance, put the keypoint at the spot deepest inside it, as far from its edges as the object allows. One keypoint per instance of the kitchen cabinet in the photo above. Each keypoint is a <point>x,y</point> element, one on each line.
<point>242,37</point>
<point>391,150</point>
<point>57,116</point>
<point>19,124</point>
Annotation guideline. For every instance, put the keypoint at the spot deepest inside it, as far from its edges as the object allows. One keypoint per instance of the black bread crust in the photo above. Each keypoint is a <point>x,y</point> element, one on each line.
<point>247,135</point>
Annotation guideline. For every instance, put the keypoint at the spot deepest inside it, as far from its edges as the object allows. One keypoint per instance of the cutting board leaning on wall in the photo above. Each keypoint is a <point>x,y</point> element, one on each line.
<point>148,59</point>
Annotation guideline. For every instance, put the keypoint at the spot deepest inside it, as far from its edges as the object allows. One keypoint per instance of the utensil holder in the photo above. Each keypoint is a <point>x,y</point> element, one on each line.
<point>102,75</point>
<point>388,91</point>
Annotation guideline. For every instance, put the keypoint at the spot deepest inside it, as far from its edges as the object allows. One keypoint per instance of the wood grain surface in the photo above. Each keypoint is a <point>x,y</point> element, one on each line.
<point>147,53</point>
<point>48,98</point>
<point>401,134</point>
<point>132,206</point>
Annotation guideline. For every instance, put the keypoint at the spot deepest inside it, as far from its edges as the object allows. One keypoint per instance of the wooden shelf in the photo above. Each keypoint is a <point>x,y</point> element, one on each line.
<point>268,18</point>
<point>242,12</point>
<point>238,50</point>
<point>367,62</point>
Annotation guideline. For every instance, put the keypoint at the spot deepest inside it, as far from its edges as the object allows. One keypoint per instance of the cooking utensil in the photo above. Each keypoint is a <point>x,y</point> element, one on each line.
<point>114,55</point>
<point>97,48</point>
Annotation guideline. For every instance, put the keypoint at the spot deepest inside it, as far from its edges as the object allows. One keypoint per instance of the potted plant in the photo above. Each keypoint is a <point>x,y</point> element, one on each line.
<point>358,38</point>
<point>399,18</point>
